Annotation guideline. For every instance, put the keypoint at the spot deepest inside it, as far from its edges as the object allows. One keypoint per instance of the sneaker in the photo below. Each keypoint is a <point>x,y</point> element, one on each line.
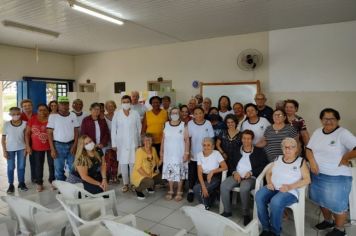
<point>324,225</point>
<point>150,190</point>
<point>140,195</point>
<point>226,214</point>
<point>336,232</point>
<point>11,189</point>
<point>247,220</point>
<point>23,187</point>
<point>190,197</point>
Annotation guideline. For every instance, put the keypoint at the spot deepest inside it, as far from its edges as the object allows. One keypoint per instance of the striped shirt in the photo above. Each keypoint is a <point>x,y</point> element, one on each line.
<point>274,139</point>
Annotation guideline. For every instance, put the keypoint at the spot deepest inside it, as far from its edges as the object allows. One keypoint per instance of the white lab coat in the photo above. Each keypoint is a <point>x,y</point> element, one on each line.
<point>125,135</point>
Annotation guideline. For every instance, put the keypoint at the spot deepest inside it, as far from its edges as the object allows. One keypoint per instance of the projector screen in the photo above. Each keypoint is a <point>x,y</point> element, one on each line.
<point>243,92</point>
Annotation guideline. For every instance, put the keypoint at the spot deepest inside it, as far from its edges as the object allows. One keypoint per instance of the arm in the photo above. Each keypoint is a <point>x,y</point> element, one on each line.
<point>269,178</point>
<point>144,124</point>
<point>262,142</point>
<point>27,139</point>
<point>3,143</point>
<point>314,168</point>
<point>114,132</point>
<point>51,144</point>
<point>222,167</point>
<point>74,146</point>
<point>219,148</point>
<point>104,133</point>
<point>104,183</point>
<point>305,136</point>
<point>348,157</point>
<point>186,145</point>
<point>83,172</point>
<point>200,177</point>
<point>139,128</point>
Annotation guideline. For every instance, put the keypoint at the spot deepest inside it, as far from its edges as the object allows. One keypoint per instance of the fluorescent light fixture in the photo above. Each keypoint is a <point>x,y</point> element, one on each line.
<point>94,12</point>
<point>35,29</point>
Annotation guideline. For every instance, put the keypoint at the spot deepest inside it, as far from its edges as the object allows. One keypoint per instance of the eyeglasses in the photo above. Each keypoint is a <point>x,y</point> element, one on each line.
<point>329,119</point>
<point>278,115</point>
<point>289,147</point>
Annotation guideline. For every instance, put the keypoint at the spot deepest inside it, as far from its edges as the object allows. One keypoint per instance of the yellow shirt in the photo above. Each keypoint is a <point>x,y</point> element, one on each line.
<point>142,162</point>
<point>155,124</point>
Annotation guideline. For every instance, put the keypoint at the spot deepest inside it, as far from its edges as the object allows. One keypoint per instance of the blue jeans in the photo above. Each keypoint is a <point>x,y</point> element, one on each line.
<point>21,164</point>
<point>212,188</point>
<point>277,201</point>
<point>63,157</point>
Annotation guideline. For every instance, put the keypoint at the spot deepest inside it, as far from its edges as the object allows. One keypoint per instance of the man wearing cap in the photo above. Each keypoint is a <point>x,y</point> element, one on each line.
<point>63,130</point>
<point>77,106</point>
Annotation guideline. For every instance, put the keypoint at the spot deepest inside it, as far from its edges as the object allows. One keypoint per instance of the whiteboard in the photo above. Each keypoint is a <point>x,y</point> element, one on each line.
<point>243,92</point>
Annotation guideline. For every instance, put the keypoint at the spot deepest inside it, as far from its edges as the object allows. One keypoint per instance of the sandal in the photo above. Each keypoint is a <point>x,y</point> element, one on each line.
<point>125,188</point>
<point>169,195</point>
<point>179,197</point>
<point>39,188</point>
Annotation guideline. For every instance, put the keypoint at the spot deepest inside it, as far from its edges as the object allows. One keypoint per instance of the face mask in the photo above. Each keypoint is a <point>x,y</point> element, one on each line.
<point>16,117</point>
<point>214,117</point>
<point>126,106</point>
<point>90,146</point>
<point>174,117</point>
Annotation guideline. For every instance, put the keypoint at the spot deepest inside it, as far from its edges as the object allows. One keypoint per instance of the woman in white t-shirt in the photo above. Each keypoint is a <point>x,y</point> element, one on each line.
<point>287,174</point>
<point>329,151</point>
<point>257,124</point>
<point>198,129</point>
<point>210,166</point>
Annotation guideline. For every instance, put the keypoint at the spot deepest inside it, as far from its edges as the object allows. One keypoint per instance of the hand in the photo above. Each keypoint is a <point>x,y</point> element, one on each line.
<point>284,188</point>
<point>314,168</point>
<point>224,156</point>
<point>73,149</point>
<point>344,162</point>
<point>186,157</point>
<point>237,177</point>
<point>53,153</point>
<point>270,186</point>
<point>160,162</point>
<point>210,176</point>
<point>28,150</point>
<point>6,155</point>
<point>104,185</point>
<point>205,192</point>
<point>100,146</point>
<point>248,175</point>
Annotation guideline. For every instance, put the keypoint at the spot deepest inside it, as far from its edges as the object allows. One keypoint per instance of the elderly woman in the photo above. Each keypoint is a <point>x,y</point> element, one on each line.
<point>90,166</point>
<point>287,174</point>
<point>145,174</point>
<point>228,142</point>
<point>275,133</point>
<point>210,166</point>
<point>175,153</point>
<point>257,124</point>
<point>251,162</point>
<point>329,151</point>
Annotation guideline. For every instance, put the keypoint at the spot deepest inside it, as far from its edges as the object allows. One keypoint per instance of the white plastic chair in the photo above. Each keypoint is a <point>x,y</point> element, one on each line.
<point>352,197</point>
<point>208,223</point>
<point>8,226</point>
<point>118,229</point>
<point>297,208</point>
<point>35,219</point>
<point>86,212</point>
<point>93,228</point>
<point>259,180</point>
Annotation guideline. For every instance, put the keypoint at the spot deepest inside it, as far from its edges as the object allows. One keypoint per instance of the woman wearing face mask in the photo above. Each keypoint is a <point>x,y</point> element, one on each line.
<point>90,166</point>
<point>175,153</point>
<point>125,138</point>
<point>216,121</point>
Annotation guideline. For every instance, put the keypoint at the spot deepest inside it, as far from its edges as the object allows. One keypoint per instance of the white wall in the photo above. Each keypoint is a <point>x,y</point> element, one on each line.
<point>314,80</point>
<point>17,62</point>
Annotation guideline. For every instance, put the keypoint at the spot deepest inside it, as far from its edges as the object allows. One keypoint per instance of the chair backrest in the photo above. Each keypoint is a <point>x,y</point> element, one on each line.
<point>211,224</point>
<point>119,229</point>
<point>69,191</point>
<point>74,220</point>
<point>24,211</point>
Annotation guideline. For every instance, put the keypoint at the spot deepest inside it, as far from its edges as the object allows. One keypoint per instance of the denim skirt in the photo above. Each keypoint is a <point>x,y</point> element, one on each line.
<point>331,192</point>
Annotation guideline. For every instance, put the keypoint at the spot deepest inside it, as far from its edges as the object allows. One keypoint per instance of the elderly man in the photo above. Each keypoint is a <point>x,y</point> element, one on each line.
<point>192,104</point>
<point>136,106</point>
<point>77,106</point>
<point>263,110</point>
<point>63,131</point>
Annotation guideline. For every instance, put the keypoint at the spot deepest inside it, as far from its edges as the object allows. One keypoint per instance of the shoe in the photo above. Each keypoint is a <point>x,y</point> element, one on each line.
<point>324,225</point>
<point>11,189</point>
<point>23,187</point>
<point>140,195</point>
<point>39,188</point>
<point>265,233</point>
<point>125,188</point>
<point>336,232</point>
<point>247,219</point>
<point>226,214</point>
<point>150,190</point>
<point>190,197</point>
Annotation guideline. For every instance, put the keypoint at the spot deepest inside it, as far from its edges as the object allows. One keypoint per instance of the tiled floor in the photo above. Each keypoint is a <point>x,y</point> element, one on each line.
<point>155,214</point>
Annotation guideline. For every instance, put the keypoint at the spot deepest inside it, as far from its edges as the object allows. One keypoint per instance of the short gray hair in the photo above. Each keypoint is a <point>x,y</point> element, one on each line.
<point>209,139</point>
<point>289,140</point>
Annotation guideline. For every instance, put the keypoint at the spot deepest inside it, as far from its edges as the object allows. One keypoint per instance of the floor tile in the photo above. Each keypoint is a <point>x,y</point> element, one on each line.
<point>154,213</point>
<point>163,230</point>
<point>178,220</point>
<point>131,205</point>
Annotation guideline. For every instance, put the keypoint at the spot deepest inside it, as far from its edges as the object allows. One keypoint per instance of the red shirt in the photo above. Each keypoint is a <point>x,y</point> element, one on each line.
<point>24,117</point>
<point>39,136</point>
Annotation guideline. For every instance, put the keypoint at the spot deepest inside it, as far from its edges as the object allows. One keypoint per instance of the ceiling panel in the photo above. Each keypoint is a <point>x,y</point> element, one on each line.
<point>154,22</point>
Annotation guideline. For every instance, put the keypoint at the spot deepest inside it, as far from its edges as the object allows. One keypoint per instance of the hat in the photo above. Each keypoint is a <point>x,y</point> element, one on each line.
<point>63,99</point>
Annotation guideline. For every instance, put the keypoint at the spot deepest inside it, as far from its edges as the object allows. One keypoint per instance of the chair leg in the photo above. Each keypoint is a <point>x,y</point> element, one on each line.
<point>299,222</point>
<point>63,231</point>
<point>221,206</point>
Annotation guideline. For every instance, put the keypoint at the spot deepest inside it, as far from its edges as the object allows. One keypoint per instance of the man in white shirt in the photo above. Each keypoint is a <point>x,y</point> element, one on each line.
<point>63,131</point>
<point>77,106</point>
<point>136,106</point>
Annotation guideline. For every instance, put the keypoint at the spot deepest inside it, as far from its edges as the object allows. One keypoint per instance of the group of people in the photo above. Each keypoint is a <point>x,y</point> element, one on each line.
<point>193,144</point>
